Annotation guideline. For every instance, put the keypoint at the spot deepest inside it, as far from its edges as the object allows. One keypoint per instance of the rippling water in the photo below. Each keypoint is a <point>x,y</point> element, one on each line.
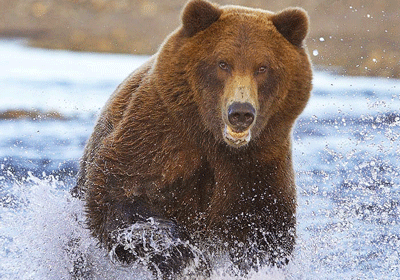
<point>346,153</point>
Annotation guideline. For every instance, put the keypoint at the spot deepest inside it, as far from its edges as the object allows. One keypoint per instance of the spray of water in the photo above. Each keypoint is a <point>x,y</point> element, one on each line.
<point>43,235</point>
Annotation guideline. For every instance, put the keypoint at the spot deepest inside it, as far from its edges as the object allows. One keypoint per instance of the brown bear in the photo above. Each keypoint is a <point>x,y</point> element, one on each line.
<point>196,144</point>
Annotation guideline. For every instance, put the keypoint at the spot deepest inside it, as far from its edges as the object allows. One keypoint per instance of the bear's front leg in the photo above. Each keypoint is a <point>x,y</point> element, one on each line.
<point>156,243</point>
<point>134,233</point>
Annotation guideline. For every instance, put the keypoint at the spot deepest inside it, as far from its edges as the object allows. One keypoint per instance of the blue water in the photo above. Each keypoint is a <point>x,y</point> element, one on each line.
<point>346,154</point>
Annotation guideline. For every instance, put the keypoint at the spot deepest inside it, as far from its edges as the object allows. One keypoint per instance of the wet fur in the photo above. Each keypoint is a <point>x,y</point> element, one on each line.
<point>157,149</point>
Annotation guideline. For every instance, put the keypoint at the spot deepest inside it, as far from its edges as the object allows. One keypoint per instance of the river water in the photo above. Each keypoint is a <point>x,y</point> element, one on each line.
<point>346,153</point>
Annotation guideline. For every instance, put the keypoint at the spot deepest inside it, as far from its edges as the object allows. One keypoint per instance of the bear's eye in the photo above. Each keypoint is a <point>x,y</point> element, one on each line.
<point>262,69</point>
<point>223,65</point>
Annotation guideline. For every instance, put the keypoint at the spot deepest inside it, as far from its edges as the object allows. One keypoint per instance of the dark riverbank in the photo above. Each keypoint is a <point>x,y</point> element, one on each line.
<point>357,37</point>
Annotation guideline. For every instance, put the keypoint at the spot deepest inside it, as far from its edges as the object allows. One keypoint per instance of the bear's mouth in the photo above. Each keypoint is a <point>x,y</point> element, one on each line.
<point>236,139</point>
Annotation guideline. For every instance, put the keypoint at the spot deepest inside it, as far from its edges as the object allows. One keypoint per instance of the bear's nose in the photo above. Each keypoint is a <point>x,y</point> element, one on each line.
<point>241,115</point>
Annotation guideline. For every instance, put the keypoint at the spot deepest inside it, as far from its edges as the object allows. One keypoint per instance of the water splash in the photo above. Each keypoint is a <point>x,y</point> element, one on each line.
<point>43,235</point>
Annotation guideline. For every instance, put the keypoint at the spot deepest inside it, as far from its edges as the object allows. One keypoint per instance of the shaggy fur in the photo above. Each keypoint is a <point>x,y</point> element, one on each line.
<point>159,150</point>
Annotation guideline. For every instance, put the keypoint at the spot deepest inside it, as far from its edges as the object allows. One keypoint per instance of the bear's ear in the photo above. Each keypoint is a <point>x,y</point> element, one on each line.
<point>292,23</point>
<point>198,15</point>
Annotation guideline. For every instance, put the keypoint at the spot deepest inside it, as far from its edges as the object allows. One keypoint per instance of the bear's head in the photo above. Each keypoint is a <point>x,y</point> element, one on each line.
<point>247,69</point>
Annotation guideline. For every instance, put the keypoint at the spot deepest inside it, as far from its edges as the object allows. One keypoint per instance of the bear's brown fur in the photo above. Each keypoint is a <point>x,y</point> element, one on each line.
<point>201,135</point>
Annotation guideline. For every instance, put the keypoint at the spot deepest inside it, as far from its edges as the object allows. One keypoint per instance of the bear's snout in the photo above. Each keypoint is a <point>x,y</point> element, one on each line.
<point>240,110</point>
<point>240,118</point>
<point>241,115</point>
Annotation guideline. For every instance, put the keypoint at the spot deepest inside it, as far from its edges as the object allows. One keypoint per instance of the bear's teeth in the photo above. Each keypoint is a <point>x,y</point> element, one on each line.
<point>237,135</point>
<point>237,138</point>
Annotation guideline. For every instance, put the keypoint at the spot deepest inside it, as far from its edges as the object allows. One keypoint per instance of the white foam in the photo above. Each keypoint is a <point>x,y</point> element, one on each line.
<point>43,236</point>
